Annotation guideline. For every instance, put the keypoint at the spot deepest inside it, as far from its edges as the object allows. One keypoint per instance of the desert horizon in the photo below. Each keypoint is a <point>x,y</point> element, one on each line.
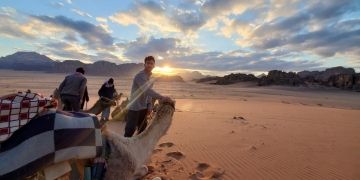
<point>239,131</point>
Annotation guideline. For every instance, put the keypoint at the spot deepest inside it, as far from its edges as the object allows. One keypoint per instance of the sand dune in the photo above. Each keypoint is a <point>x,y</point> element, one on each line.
<point>278,141</point>
<point>241,131</point>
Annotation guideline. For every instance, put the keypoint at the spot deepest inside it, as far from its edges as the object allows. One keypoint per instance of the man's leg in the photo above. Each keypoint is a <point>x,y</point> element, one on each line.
<point>105,114</point>
<point>66,102</point>
<point>131,123</point>
<point>75,103</point>
<point>142,122</point>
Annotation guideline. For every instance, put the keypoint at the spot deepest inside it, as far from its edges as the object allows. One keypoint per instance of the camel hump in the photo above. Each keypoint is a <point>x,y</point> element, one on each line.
<point>48,139</point>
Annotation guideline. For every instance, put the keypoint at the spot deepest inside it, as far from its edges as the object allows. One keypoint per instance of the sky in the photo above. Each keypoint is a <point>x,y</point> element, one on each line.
<point>211,36</point>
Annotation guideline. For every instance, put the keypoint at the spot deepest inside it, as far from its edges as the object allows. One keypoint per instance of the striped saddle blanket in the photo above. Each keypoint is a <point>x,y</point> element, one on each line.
<point>17,109</point>
<point>49,138</point>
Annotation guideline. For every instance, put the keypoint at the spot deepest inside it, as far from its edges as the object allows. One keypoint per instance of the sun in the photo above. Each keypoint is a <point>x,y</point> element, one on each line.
<point>165,70</point>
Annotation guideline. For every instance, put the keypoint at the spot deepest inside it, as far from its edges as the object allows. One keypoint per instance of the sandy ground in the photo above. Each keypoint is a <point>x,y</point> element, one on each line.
<point>241,131</point>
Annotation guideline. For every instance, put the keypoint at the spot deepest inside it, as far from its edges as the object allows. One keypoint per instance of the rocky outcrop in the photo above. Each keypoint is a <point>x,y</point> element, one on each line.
<point>207,79</point>
<point>276,77</point>
<point>235,78</point>
<point>340,77</point>
<point>344,81</point>
<point>323,76</point>
<point>356,85</point>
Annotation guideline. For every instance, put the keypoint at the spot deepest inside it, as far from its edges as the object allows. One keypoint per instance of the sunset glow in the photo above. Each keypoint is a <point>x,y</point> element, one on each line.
<point>165,70</point>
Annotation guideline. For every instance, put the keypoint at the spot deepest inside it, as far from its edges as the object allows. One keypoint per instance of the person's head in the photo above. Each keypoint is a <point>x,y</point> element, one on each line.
<point>111,81</point>
<point>149,63</point>
<point>80,70</point>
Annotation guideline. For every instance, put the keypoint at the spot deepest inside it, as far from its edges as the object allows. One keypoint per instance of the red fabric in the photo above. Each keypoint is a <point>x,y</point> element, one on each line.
<point>4,119</point>
<point>20,107</point>
<point>4,106</point>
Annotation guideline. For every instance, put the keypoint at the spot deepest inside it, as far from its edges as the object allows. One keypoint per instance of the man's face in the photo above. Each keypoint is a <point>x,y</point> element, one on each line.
<point>149,66</point>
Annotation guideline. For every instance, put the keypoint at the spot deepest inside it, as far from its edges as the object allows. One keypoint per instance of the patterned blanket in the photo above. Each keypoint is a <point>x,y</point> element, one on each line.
<point>17,109</point>
<point>47,139</point>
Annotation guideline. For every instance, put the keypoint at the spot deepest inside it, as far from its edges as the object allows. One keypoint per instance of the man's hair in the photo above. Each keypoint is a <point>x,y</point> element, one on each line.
<point>80,70</point>
<point>149,58</point>
<point>111,81</point>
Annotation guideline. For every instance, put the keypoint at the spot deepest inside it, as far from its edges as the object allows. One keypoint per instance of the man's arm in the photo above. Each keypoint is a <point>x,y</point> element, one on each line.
<point>100,92</point>
<point>62,85</point>
<point>145,87</point>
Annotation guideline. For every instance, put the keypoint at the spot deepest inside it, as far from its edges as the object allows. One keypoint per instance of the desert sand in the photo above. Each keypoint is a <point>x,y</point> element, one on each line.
<point>240,131</point>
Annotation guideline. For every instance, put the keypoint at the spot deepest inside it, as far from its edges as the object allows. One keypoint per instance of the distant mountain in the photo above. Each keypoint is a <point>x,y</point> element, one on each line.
<point>29,61</point>
<point>32,61</point>
<point>99,68</point>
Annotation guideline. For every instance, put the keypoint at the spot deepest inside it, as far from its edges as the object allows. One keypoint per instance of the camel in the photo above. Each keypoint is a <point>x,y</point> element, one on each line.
<point>96,109</point>
<point>128,155</point>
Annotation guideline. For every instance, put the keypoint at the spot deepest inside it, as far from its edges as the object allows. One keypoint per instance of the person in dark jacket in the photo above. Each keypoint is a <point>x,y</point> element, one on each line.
<point>108,91</point>
<point>85,98</point>
<point>72,90</point>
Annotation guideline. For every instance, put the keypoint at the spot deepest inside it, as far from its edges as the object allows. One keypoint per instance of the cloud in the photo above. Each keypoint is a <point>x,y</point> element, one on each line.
<point>57,4</point>
<point>69,1</point>
<point>142,47</point>
<point>331,36</point>
<point>60,37</point>
<point>251,61</point>
<point>81,13</point>
<point>12,27</point>
<point>174,54</point>
<point>226,7</point>
<point>151,16</point>
<point>101,19</point>
<point>70,51</point>
<point>96,36</point>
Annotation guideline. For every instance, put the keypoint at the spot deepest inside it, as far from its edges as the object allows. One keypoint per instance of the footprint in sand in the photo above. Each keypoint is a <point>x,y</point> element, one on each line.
<point>176,155</point>
<point>205,171</point>
<point>167,144</point>
<point>239,117</point>
<point>202,166</point>
<point>285,102</point>
<point>157,150</point>
<point>253,148</point>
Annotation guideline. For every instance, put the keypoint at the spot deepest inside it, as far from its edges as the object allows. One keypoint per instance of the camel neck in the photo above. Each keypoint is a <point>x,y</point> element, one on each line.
<point>150,137</point>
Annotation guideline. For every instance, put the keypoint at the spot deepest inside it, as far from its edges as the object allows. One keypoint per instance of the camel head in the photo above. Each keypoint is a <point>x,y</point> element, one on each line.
<point>128,155</point>
<point>163,117</point>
